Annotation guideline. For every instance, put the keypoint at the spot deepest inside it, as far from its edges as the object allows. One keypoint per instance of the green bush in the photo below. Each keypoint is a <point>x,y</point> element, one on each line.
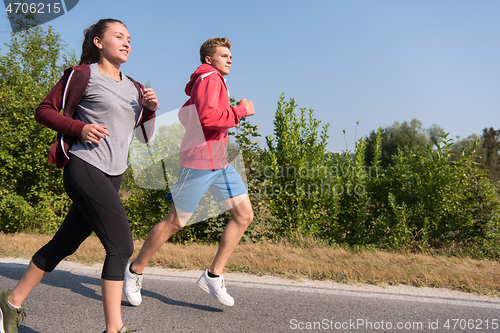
<point>16,214</point>
<point>425,200</point>
<point>292,174</point>
<point>350,181</point>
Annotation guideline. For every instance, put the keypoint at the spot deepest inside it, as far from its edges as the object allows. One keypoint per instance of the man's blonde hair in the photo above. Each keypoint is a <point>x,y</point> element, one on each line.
<point>209,46</point>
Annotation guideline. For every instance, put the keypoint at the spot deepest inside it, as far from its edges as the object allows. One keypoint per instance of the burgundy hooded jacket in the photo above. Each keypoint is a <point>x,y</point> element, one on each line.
<point>66,96</point>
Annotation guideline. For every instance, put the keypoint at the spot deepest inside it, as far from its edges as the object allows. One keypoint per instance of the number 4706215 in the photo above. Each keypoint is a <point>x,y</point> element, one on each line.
<point>33,8</point>
<point>471,324</point>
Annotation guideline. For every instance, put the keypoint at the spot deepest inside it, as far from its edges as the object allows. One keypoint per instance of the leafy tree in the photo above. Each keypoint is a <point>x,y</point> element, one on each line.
<point>465,144</point>
<point>28,70</point>
<point>490,146</point>
<point>435,134</point>
<point>487,148</point>
<point>401,137</point>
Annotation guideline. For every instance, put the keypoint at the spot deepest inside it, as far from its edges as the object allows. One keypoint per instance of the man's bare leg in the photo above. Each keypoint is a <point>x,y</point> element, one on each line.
<point>212,280</point>
<point>241,217</point>
<point>172,223</point>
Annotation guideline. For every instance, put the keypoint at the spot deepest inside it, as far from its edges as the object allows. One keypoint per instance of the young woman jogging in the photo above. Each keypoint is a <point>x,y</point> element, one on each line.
<point>101,108</point>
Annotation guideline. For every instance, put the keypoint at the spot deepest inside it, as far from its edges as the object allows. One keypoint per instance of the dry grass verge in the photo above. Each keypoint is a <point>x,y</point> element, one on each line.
<point>314,262</point>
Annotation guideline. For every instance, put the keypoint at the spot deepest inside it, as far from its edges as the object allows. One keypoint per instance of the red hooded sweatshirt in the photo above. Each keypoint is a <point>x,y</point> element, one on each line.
<point>207,115</point>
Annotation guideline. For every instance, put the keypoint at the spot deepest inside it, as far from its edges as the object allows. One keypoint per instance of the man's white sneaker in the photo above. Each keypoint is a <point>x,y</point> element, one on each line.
<point>132,286</point>
<point>216,288</point>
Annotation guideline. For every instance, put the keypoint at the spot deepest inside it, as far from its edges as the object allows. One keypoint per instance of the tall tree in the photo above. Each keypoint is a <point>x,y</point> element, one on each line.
<point>400,137</point>
<point>33,63</point>
<point>490,146</point>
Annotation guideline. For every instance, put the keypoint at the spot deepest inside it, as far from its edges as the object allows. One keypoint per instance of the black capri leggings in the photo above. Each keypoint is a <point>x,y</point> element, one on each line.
<point>96,207</point>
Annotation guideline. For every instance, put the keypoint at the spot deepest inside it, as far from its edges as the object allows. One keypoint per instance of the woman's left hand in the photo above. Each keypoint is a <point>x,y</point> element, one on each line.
<point>150,100</point>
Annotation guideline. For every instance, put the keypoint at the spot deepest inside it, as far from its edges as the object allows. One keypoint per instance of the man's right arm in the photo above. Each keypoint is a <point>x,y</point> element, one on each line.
<point>248,106</point>
<point>210,114</point>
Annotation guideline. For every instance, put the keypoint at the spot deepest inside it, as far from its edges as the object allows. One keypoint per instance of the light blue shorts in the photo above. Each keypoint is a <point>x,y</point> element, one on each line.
<point>192,184</point>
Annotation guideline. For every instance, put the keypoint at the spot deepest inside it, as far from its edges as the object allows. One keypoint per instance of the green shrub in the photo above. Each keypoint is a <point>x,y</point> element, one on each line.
<point>428,201</point>
<point>16,214</point>
<point>292,175</point>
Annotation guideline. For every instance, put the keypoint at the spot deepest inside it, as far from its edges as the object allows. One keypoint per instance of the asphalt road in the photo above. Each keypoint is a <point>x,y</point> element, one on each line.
<point>69,300</point>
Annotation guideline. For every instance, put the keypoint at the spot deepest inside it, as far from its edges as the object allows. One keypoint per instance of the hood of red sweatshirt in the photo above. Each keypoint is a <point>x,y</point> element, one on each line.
<point>202,70</point>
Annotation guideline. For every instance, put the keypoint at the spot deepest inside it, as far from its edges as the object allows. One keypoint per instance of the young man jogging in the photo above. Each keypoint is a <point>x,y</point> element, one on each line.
<point>206,116</point>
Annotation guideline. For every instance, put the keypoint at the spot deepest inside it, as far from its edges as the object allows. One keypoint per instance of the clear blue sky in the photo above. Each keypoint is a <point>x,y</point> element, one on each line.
<point>372,61</point>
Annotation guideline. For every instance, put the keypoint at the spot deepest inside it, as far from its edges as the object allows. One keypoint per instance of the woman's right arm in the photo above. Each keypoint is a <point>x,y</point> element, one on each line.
<point>48,111</point>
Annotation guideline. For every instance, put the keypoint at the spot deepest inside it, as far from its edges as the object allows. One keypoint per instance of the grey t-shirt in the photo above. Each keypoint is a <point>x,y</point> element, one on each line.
<point>110,103</point>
